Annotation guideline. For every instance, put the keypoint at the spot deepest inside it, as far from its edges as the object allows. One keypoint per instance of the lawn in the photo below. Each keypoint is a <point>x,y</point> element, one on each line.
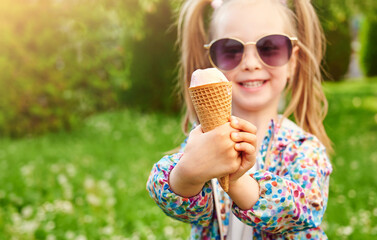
<point>90,183</point>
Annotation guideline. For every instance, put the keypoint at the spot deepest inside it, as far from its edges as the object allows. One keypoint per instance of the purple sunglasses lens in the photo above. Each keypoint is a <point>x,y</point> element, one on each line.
<point>226,53</point>
<point>274,50</point>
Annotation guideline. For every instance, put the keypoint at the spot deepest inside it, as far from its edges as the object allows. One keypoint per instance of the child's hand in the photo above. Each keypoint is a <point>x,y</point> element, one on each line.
<point>212,154</point>
<point>246,145</point>
<point>206,156</point>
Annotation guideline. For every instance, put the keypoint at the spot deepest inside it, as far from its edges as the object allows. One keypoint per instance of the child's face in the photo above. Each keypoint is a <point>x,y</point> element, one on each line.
<point>256,87</point>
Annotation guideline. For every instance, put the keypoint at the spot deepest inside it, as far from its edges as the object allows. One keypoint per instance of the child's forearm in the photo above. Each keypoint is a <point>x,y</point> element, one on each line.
<point>181,183</point>
<point>244,192</point>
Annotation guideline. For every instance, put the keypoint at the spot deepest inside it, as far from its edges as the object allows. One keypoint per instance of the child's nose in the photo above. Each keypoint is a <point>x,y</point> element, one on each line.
<point>250,59</point>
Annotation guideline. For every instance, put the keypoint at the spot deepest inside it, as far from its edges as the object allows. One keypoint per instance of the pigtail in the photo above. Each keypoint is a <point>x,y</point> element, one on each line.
<point>308,102</point>
<point>191,39</point>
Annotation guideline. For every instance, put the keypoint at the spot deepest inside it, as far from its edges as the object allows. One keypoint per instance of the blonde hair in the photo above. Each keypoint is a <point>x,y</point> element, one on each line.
<point>307,103</point>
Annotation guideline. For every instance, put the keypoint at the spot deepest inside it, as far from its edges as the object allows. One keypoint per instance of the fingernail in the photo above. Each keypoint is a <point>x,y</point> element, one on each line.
<point>234,120</point>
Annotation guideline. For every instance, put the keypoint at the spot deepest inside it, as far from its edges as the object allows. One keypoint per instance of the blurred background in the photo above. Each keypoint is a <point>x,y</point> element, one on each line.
<point>88,104</point>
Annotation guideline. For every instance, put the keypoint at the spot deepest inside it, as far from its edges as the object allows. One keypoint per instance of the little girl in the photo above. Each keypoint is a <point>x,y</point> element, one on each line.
<point>279,170</point>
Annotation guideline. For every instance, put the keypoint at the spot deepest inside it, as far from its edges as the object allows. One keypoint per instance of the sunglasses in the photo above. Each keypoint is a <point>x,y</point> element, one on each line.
<point>273,50</point>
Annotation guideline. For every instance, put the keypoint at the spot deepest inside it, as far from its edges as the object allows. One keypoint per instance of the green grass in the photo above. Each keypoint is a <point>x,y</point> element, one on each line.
<point>90,183</point>
<point>352,125</point>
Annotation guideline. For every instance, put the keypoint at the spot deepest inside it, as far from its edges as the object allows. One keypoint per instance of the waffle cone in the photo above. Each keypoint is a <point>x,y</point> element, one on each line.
<point>213,105</point>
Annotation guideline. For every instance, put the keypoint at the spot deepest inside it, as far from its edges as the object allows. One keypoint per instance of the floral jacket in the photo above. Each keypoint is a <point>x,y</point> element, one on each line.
<point>294,183</point>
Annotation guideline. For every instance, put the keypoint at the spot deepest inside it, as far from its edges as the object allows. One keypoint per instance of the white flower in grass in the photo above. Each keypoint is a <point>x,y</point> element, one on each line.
<point>81,237</point>
<point>354,220</point>
<point>50,237</point>
<point>352,193</point>
<point>118,238</point>
<point>345,231</point>
<point>16,218</point>
<point>89,183</point>
<point>93,199</point>
<point>354,165</point>
<point>110,201</point>
<point>364,217</point>
<point>71,170</point>
<point>41,214</point>
<point>50,225</point>
<point>68,193</point>
<point>103,184</point>
<point>151,236</point>
<point>135,236</point>
<point>27,170</point>
<point>69,235</point>
<point>27,211</point>
<point>29,226</point>
<point>48,207</point>
<point>108,230</point>
<point>63,206</point>
<point>168,231</point>
<point>103,126</point>
<point>62,179</point>
<point>106,187</point>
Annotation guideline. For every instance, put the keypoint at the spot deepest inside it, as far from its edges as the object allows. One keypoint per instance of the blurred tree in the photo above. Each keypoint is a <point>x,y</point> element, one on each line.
<point>335,23</point>
<point>368,52</point>
<point>154,62</point>
<point>335,16</point>
<point>58,62</point>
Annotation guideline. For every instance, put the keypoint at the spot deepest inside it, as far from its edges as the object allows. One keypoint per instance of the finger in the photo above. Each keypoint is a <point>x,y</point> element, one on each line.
<point>243,125</point>
<point>245,147</point>
<point>244,137</point>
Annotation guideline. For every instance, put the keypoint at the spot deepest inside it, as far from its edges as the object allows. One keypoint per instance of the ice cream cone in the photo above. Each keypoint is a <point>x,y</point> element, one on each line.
<point>213,105</point>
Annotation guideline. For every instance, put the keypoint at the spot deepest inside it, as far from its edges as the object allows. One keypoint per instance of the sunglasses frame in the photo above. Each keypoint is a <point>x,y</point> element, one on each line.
<point>293,40</point>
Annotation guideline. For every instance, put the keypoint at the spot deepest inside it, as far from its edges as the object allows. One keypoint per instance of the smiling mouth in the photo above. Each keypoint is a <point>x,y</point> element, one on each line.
<point>252,84</point>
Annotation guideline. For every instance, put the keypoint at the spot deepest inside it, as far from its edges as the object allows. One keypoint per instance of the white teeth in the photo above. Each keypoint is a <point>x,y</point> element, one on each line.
<point>252,84</point>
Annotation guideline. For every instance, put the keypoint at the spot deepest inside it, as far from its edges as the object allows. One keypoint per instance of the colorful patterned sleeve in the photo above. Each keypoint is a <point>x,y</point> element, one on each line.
<point>296,198</point>
<point>196,210</point>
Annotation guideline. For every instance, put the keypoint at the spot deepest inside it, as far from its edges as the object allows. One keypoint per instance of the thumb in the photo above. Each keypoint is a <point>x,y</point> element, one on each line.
<point>196,131</point>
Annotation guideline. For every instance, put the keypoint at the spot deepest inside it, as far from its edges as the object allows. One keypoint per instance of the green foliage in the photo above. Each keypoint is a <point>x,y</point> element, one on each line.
<point>63,60</point>
<point>59,62</point>
<point>368,52</point>
<point>335,23</point>
<point>90,183</point>
<point>154,63</point>
<point>338,51</point>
